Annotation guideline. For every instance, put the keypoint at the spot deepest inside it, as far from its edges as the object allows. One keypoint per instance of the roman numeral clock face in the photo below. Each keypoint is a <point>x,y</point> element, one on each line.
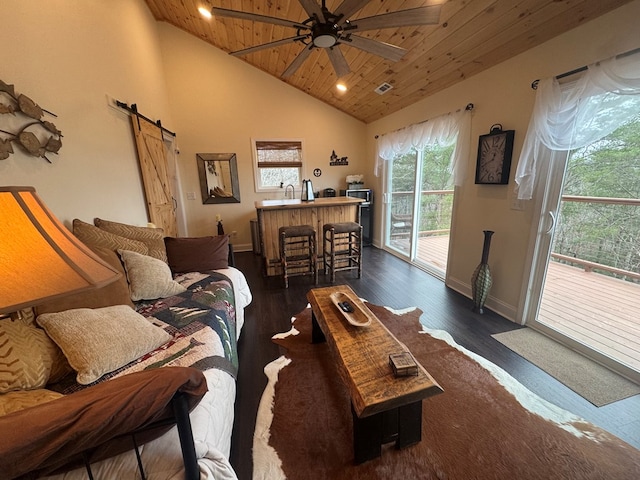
<point>494,158</point>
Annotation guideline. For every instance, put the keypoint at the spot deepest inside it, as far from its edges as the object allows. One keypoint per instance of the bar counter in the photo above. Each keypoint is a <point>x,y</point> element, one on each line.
<point>273,214</point>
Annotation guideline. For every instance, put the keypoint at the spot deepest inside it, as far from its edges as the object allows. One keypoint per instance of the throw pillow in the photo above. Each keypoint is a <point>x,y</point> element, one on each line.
<point>99,341</point>
<point>28,358</point>
<point>93,236</point>
<point>115,293</point>
<point>149,278</point>
<point>16,401</point>
<point>197,254</point>
<point>153,238</point>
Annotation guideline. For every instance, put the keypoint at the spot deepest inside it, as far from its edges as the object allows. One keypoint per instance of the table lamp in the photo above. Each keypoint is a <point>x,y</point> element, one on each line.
<point>40,259</point>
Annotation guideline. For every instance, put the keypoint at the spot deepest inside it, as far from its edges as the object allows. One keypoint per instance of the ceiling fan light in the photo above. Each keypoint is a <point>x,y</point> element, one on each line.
<point>325,40</point>
<point>205,12</point>
<point>341,87</point>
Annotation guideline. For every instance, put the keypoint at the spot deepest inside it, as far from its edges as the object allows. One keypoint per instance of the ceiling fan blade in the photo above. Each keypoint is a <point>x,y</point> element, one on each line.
<point>223,12</point>
<point>428,15</point>
<point>382,49</point>
<point>338,61</point>
<point>313,9</point>
<point>348,8</point>
<point>257,48</point>
<point>297,62</point>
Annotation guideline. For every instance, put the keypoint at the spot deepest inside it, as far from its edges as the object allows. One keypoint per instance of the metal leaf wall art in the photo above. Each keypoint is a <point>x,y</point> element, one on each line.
<point>34,135</point>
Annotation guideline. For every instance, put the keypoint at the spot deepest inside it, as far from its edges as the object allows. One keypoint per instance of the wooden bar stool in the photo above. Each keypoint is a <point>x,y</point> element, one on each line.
<point>298,252</point>
<point>342,248</point>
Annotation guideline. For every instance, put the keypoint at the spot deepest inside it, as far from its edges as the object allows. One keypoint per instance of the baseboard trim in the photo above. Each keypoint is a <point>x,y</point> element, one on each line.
<point>495,305</point>
<point>242,247</point>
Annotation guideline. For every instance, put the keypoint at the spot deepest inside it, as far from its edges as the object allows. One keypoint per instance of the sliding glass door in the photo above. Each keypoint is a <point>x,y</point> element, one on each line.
<point>581,166</point>
<point>419,202</point>
<point>400,203</point>
<point>433,215</point>
<point>589,293</point>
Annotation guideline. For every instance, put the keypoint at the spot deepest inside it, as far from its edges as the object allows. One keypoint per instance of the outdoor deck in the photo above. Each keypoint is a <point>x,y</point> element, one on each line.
<point>592,308</point>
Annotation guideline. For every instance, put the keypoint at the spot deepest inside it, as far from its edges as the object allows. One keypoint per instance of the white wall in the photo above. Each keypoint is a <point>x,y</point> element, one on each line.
<point>503,94</point>
<point>67,55</point>
<point>219,103</point>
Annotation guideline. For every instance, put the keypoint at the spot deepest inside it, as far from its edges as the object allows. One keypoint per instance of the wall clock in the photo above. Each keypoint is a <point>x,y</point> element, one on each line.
<point>494,156</point>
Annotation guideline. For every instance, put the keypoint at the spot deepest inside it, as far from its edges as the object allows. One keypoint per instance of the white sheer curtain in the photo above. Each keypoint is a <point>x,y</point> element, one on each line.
<point>445,130</point>
<point>577,113</point>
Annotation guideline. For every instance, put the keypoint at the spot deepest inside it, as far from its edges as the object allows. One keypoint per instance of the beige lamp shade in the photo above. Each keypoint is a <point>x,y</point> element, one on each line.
<point>40,259</point>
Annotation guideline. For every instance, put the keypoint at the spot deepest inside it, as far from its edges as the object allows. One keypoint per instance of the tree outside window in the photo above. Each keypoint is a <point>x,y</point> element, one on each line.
<point>602,222</point>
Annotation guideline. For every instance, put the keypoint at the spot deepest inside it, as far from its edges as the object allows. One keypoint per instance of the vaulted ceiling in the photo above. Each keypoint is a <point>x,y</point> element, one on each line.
<point>469,37</point>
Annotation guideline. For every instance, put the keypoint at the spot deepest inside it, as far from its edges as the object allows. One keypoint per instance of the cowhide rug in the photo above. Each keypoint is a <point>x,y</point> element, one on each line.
<point>484,426</point>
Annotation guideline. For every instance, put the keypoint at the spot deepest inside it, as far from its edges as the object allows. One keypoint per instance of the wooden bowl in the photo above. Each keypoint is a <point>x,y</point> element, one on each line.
<point>360,316</point>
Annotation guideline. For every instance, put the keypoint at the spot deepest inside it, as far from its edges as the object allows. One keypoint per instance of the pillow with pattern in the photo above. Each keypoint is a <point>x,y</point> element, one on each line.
<point>93,236</point>
<point>28,357</point>
<point>19,400</point>
<point>153,238</point>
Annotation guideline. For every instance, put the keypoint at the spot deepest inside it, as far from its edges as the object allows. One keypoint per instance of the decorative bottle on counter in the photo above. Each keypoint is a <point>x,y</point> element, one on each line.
<point>481,279</point>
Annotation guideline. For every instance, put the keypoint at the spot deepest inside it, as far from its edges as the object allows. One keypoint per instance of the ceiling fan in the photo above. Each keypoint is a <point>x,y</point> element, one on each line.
<point>327,30</point>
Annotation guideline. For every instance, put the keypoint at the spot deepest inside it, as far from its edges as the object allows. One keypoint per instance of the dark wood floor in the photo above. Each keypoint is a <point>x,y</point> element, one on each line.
<point>387,280</point>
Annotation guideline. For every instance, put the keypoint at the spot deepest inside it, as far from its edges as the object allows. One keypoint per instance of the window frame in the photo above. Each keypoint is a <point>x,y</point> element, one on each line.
<point>259,188</point>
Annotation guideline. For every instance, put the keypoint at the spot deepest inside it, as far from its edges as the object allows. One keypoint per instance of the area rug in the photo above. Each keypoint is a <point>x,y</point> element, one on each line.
<point>590,380</point>
<point>484,426</point>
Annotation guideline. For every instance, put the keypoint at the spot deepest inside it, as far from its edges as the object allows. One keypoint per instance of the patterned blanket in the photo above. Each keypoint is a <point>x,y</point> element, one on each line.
<point>201,321</point>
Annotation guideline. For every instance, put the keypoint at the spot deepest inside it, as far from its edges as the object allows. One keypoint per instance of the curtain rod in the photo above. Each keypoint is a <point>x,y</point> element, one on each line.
<point>534,84</point>
<point>134,109</point>
<point>469,107</point>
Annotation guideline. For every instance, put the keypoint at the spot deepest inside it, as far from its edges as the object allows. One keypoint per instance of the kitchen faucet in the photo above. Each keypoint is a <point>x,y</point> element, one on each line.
<point>293,191</point>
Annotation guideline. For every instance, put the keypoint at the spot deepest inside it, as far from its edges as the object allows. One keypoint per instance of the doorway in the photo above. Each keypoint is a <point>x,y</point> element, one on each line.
<point>155,172</point>
<point>586,260</point>
<point>418,207</point>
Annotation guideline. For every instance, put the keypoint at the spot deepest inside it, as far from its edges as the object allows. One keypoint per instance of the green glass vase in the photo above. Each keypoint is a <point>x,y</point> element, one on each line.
<point>481,279</point>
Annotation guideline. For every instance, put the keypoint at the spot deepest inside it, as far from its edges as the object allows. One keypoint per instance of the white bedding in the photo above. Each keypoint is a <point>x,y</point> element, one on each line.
<point>211,421</point>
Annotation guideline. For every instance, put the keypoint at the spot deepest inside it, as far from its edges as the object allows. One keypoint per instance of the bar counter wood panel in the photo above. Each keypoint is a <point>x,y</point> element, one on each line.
<point>273,214</point>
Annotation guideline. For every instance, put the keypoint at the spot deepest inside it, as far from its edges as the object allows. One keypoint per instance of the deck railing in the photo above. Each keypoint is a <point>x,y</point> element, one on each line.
<point>402,204</point>
<point>432,216</point>
<point>602,236</point>
<point>606,200</point>
<point>591,266</point>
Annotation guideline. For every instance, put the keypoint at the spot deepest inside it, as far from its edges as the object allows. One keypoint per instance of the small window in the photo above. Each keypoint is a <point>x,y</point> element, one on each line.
<point>277,163</point>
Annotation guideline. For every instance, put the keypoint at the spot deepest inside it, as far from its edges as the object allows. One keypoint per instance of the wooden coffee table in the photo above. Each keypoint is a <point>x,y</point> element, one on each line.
<point>385,407</point>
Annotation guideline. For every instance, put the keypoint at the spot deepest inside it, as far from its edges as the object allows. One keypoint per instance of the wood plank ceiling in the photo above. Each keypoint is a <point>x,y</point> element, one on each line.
<point>471,36</point>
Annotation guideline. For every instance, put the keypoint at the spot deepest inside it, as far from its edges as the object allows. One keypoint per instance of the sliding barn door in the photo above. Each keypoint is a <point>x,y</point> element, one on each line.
<point>152,158</point>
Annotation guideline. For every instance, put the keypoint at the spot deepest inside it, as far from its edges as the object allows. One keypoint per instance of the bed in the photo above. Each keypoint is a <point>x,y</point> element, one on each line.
<point>198,326</point>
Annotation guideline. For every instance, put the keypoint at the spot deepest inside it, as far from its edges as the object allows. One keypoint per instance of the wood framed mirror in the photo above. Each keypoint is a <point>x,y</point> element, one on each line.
<point>218,174</point>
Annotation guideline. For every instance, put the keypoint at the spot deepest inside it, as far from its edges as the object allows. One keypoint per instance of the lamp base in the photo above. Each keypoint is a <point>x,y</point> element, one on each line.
<point>20,315</point>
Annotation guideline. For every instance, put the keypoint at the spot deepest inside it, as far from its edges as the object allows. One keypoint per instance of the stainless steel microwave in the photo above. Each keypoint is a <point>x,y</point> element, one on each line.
<point>363,193</point>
